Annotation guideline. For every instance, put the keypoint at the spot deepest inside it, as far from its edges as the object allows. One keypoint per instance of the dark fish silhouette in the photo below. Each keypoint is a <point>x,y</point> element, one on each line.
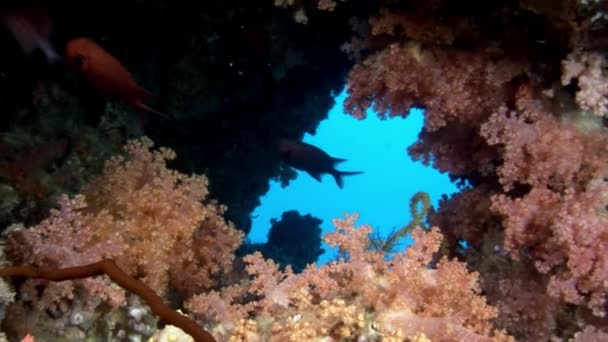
<point>312,160</point>
<point>31,26</point>
<point>107,74</point>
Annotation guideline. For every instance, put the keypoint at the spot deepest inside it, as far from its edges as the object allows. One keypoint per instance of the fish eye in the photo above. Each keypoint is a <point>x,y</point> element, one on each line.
<point>79,61</point>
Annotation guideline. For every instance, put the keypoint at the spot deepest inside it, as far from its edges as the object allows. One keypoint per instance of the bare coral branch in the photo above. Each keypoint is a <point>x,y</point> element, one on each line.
<point>109,268</point>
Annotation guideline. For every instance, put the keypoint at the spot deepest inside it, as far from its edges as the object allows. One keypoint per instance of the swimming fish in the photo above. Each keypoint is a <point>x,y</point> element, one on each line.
<point>31,26</point>
<point>312,160</point>
<point>107,74</point>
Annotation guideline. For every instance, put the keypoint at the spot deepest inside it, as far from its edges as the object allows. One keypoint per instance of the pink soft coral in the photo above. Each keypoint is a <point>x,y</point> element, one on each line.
<point>453,85</point>
<point>589,68</point>
<point>148,218</point>
<point>562,220</point>
<point>364,296</point>
<point>28,338</point>
<point>567,236</point>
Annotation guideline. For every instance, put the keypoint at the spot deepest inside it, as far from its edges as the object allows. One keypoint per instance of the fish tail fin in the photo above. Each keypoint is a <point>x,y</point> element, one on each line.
<point>339,176</point>
<point>145,92</point>
<point>144,108</point>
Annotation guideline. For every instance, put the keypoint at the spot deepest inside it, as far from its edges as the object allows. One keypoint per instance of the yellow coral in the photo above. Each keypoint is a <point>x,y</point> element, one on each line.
<point>246,330</point>
<point>171,333</point>
<point>420,337</point>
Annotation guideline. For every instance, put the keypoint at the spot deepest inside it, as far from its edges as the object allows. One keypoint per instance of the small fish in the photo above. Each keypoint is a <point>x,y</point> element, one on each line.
<point>107,74</point>
<point>31,26</point>
<point>312,160</point>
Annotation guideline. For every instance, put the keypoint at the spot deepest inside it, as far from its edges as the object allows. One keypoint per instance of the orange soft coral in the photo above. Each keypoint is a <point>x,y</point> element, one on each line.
<point>148,218</point>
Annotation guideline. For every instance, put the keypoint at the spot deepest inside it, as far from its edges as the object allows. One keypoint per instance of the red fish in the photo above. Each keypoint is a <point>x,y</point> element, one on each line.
<point>107,74</point>
<point>312,160</point>
<point>31,26</point>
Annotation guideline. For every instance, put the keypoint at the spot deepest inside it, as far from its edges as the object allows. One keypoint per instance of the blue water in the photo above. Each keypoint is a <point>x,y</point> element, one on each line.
<point>381,195</point>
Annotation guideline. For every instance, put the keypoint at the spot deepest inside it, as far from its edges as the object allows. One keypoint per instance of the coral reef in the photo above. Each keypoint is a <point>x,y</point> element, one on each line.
<point>359,298</point>
<point>293,240</point>
<point>515,96</point>
<point>154,224</point>
<point>7,294</point>
<point>119,216</point>
<point>515,115</point>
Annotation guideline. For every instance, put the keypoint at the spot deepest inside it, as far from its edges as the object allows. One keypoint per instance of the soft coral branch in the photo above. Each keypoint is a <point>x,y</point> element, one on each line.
<point>109,268</point>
